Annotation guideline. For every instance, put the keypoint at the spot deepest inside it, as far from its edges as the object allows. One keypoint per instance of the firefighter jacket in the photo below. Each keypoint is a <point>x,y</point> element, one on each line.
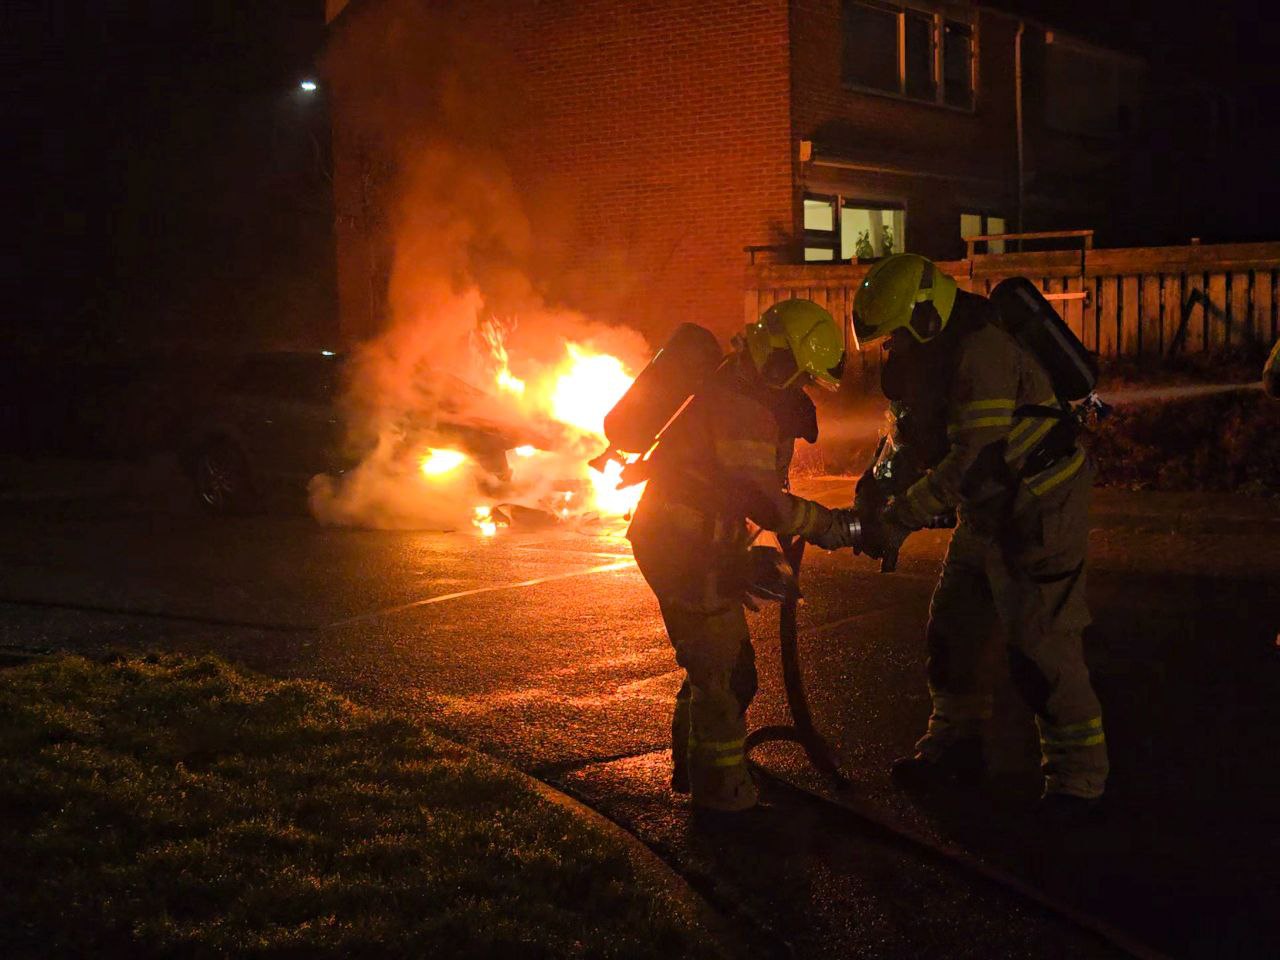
<point>725,459</point>
<point>1002,438</point>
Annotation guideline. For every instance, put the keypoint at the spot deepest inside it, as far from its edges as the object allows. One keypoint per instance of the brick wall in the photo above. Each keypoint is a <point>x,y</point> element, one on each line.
<point>659,149</point>
<point>961,160</point>
<point>654,144</point>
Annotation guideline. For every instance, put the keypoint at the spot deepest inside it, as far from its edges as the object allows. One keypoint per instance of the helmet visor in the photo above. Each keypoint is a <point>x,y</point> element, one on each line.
<point>830,379</point>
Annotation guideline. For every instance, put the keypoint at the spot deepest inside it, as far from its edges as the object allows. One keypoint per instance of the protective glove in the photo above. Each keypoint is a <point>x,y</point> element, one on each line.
<point>769,577</point>
<point>883,539</point>
<point>841,532</point>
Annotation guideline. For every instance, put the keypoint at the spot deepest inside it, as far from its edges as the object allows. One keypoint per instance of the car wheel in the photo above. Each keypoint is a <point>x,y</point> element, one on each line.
<point>223,484</point>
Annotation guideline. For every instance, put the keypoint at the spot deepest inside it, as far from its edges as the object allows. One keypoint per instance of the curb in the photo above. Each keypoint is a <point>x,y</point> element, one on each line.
<point>648,867</point>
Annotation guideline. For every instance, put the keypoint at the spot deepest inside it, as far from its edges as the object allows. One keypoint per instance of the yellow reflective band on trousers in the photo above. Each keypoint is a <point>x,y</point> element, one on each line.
<point>720,753</point>
<point>1071,736</point>
<point>1055,476</point>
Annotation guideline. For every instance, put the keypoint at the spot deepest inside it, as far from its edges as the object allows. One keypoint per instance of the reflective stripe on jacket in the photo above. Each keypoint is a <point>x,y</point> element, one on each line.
<point>725,459</point>
<point>994,378</point>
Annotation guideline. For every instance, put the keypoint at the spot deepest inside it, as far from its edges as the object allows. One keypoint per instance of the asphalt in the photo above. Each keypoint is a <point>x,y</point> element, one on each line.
<point>544,649</point>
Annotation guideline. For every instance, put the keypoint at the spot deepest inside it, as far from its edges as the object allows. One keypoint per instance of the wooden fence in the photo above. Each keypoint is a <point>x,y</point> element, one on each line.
<point>1146,301</point>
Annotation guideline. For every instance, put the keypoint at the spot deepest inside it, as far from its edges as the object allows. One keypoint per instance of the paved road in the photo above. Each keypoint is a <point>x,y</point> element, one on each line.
<point>543,647</point>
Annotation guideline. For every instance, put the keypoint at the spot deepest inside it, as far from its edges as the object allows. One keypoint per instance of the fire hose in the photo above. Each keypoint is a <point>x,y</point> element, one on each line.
<point>801,730</point>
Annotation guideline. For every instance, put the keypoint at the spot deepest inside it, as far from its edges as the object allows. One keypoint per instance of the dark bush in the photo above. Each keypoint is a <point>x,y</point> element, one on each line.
<point>1227,441</point>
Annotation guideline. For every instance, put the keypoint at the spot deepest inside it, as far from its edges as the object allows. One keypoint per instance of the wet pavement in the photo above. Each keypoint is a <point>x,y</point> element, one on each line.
<point>544,648</point>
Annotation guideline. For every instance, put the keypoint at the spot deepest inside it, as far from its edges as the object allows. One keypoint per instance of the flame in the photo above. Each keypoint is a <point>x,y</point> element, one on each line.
<point>608,498</point>
<point>439,461</point>
<point>587,389</point>
<point>494,335</point>
<point>484,522</point>
<point>575,392</point>
<point>510,382</point>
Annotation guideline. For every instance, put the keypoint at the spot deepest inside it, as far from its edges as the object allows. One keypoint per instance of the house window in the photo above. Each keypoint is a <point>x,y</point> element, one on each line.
<point>820,214</point>
<point>957,64</point>
<point>839,229</point>
<point>871,46</point>
<point>982,225</point>
<point>910,51</point>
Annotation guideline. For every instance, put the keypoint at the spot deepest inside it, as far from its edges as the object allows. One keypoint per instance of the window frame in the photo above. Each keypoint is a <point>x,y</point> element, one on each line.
<point>939,18</point>
<point>985,215</point>
<point>834,238</point>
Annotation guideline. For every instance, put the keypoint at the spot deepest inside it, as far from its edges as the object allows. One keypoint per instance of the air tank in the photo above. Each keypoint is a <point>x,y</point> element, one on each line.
<point>672,376</point>
<point>1033,322</point>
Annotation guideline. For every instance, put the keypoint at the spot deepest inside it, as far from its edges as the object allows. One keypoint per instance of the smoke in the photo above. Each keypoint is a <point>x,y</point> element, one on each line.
<point>462,298</point>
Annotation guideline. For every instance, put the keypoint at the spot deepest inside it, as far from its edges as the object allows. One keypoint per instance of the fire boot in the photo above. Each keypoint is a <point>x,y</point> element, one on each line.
<point>718,775</point>
<point>680,741</point>
<point>960,761</point>
<point>1065,810</point>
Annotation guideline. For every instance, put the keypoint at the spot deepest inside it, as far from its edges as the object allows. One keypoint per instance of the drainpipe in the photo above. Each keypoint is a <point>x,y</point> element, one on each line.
<point>1017,105</point>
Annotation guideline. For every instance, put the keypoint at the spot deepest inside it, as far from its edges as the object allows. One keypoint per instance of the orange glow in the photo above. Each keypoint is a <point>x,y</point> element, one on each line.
<point>588,388</point>
<point>575,392</point>
<point>509,382</point>
<point>609,499</point>
<point>439,461</point>
<point>484,522</point>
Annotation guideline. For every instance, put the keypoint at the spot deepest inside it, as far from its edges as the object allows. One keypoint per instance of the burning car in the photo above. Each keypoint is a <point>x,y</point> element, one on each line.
<point>276,420</point>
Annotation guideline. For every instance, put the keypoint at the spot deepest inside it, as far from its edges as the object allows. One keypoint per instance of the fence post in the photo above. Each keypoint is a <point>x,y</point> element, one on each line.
<point>1239,330</point>
<point>1170,310</point>
<point>1130,317</point>
<point>1262,306</point>
<point>1215,312</point>
<point>1108,316</point>
<point>1194,311</point>
<point>1151,314</point>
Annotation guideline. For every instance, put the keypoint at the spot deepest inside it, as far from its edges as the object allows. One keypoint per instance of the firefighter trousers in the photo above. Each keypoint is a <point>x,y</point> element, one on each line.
<point>712,644</point>
<point>1029,574</point>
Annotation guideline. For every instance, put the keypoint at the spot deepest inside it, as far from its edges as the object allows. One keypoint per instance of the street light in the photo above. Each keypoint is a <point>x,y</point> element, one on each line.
<point>308,86</point>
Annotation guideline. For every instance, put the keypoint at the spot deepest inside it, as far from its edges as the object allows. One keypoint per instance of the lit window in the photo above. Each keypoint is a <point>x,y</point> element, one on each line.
<point>894,49</point>
<point>867,233</point>
<point>839,229</point>
<point>820,228</point>
<point>983,225</point>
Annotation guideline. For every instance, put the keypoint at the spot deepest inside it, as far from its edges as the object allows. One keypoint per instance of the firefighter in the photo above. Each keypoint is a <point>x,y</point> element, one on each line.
<point>1004,453</point>
<point>1271,373</point>
<point>722,461</point>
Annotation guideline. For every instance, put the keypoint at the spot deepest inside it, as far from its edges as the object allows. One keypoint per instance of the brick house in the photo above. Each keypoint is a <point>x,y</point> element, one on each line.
<point>676,133</point>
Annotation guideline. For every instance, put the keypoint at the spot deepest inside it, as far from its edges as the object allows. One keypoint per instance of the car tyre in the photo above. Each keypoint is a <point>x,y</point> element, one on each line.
<point>222,479</point>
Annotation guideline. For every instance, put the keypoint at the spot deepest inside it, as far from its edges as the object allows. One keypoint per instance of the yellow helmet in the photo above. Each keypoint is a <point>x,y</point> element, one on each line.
<point>905,290</point>
<point>796,337</point>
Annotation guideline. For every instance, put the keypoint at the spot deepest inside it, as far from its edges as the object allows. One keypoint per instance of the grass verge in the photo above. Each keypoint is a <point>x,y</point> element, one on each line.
<point>166,806</point>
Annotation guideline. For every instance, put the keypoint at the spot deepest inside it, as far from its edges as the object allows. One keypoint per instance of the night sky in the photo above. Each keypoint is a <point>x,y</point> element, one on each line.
<point>173,177</point>
<point>171,182</point>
